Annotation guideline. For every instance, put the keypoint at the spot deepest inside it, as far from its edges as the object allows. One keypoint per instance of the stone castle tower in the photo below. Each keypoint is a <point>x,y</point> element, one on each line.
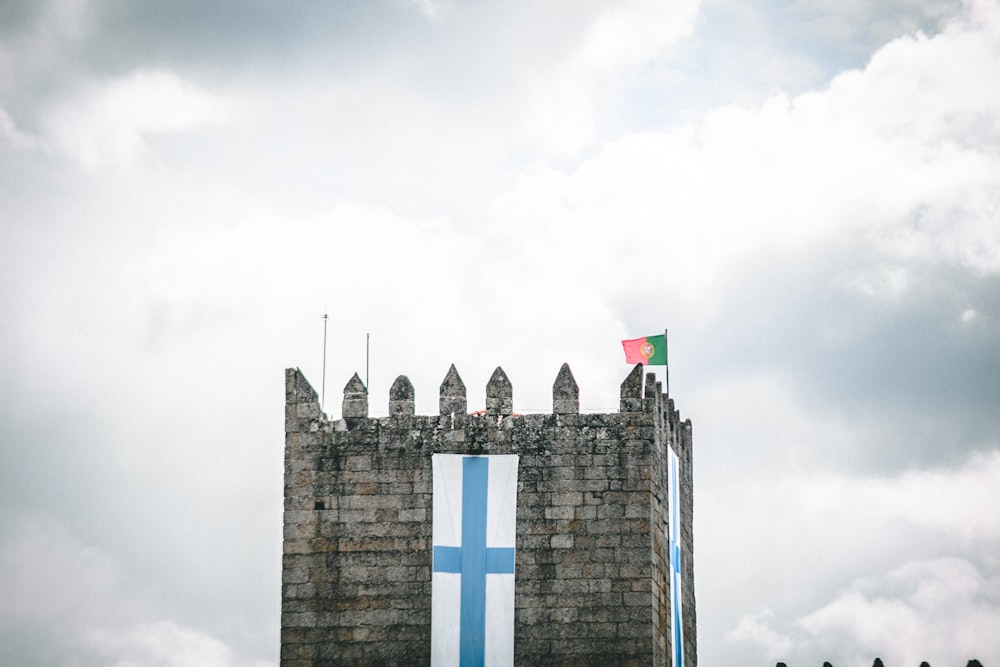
<point>593,569</point>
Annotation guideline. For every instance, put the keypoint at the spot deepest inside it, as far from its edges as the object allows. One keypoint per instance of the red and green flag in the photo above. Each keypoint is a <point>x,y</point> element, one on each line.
<point>651,350</point>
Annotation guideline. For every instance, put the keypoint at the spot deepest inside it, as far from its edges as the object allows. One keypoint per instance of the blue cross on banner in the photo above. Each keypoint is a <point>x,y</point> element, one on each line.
<point>676,612</point>
<point>472,604</point>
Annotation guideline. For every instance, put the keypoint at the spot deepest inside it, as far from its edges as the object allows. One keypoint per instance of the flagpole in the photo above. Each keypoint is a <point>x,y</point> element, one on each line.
<point>367,352</point>
<point>322,400</point>
<point>666,363</point>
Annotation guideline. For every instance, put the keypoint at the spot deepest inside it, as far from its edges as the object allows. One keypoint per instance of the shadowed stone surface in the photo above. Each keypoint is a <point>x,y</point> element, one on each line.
<point>631,391</point>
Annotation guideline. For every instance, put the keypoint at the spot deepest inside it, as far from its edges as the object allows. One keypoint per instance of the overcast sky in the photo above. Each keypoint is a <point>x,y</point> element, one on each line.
<point>806,193</point>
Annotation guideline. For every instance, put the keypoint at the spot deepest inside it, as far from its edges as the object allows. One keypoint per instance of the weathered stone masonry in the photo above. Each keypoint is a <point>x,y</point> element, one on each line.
<point>592,561</point>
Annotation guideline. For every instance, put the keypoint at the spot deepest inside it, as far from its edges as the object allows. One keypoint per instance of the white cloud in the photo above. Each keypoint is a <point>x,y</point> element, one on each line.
<point>888,283</point>
<point>433,10</point>
<point>949,503</point>
<point>755,629</point>
<point>943,611</point>
<point>378,272</point>
<point>76,596</point>
<point>900,156</point>
<point>14,136</point>
<point>896,543</point>
<point>938,610</point>
<point>43,48</point>
<point>163,644</point>
<point>109,124</point>
<point>46,574</point>
<point>634,32</point>
<point>840,20</point>
<point>565,102</point>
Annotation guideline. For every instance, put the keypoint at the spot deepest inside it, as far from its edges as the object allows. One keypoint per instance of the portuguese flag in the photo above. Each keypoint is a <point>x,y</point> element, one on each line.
<point>649,350</point>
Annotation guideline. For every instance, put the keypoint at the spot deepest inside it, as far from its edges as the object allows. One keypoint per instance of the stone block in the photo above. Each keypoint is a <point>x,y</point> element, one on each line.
<point>413,514</point>
<point>559,512</point>
<point>561,542</point>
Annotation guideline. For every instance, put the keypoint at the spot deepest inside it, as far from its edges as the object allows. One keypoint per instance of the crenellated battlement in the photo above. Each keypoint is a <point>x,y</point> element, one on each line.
<point>636,395</point>
<point>592,522</point>
<point>640,393</point>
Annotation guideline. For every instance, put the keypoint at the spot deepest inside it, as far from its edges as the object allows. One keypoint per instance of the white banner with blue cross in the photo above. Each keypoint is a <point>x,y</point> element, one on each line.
<point>676,612</point>
<point>472,600</point>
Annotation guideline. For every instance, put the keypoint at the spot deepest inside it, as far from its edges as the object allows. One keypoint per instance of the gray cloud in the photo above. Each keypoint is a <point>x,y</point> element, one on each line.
<point>907,366</point>
<point>184,191</point>
<point>69,602</point>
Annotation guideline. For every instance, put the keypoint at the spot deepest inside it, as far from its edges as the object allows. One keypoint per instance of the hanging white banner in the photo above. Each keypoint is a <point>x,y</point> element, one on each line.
<point>472,601</point>
<point>676,613</point>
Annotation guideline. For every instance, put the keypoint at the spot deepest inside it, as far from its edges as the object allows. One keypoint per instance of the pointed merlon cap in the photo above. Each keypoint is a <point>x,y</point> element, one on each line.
<point>631,397</point>
<point>453,393</point>
<point>650,385</point>
<point>298,389</point>
<point>355,398</point>
<point>401,397</point>
<point>565,393</point>
<point>499,394</point>
<point>301,401</point>
<point>878,663</point>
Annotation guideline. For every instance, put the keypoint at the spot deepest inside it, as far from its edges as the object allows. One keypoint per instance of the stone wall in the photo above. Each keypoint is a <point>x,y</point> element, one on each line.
<point>591,582</point>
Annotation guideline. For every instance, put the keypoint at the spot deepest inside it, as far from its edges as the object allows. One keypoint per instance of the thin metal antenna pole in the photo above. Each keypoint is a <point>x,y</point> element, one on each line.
<point>367,356</point>
<point>322,399</point>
